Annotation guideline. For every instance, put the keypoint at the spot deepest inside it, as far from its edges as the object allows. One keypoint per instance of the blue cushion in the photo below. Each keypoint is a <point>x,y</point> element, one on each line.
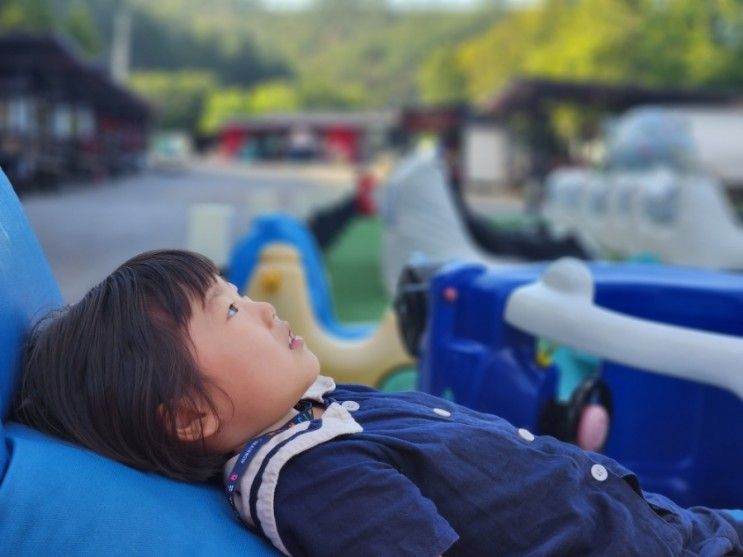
<point>3,453</point>
<point>27,286</point>
<point>27,290</point>
<point>62,499</point>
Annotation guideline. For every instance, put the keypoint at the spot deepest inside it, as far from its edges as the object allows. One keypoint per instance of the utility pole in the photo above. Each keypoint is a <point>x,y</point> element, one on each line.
<point>120,43</point>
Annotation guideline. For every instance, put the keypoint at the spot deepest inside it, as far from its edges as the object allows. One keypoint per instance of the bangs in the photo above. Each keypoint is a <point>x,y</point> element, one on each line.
<point>168,280</point>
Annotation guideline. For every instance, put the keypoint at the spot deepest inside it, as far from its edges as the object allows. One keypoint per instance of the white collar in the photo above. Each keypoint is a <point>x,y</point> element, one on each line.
<point>321,387</point>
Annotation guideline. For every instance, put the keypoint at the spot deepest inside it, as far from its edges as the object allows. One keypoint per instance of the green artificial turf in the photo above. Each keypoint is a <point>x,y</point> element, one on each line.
<point>513,222</point>
<point>353,267</point>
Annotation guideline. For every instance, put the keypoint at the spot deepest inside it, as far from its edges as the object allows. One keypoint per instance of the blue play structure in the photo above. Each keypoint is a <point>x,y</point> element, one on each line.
<point>683,438</point>
<point>278,227</point>
<point>56,498</point>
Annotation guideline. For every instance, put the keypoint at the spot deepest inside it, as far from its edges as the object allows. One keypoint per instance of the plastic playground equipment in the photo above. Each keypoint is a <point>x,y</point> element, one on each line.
<point>280,279</point>
<point>424,218</point>
<point>666,191</point>
<point>56,497</point>
<point>669,393</point>
<point>420,220</point>
<point>559,306</point>
<point>60,498</point>
<point>281,228</point>
<point>679,218</point>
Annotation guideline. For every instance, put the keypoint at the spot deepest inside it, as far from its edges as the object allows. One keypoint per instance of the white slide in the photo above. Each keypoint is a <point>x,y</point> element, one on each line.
<point>420,220</point>
<point>559,307</point>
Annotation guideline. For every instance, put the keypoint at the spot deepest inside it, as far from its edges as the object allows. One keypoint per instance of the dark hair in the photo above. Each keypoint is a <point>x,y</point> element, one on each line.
<point>110,371</point>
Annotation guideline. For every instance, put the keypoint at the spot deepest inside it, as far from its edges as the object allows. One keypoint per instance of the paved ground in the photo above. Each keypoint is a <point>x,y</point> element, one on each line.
<point>87,230</point>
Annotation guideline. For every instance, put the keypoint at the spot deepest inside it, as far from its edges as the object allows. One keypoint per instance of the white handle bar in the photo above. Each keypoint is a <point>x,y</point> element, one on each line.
<point>559,307</point>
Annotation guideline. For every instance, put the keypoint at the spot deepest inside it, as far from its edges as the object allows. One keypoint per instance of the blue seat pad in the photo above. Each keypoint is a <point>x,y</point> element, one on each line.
<point>58,498</point>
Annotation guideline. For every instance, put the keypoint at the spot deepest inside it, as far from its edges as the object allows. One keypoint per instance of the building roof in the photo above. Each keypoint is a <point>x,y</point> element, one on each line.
<point>47,64</point>
<point>532,94</point>
<point>436,118</point>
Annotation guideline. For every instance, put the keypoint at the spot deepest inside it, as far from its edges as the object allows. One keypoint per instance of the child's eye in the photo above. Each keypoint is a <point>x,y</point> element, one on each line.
<point>232,310</point>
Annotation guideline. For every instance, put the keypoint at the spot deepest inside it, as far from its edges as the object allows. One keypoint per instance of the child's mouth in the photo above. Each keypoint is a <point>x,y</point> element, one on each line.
<point>295,342</point>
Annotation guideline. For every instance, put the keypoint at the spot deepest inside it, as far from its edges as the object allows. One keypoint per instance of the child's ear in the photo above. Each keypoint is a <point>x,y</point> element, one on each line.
<point>192,423</point>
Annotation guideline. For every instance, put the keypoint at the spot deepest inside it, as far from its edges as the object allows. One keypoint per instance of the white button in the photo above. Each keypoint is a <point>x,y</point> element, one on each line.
<point>599,473</point>
<point>350,405</point>
<point>442,412</point>
<point>526,435</point>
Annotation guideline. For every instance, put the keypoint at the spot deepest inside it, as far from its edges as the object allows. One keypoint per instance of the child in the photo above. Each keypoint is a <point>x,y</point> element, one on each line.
<point>165,367</point>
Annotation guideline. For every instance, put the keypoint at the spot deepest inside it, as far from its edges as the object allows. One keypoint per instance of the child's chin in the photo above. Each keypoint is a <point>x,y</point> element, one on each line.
<point>316,370</point>
<point>311,355</point>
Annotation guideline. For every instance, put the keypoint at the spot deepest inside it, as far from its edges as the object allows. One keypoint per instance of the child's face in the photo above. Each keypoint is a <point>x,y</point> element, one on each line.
<point>246,352</point>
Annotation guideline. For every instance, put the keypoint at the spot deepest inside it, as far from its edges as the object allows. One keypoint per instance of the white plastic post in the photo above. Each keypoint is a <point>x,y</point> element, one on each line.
<point>209,231</point>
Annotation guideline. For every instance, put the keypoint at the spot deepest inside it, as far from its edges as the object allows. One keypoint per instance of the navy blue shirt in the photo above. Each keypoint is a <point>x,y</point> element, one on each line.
<point>429,477</point>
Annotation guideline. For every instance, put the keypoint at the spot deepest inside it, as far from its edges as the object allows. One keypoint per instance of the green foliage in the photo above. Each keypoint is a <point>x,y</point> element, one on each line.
<point>223,105</point>
<point>26,15</point>
<point>72,19</point>
<point>274,96</point>
<point>232,56</point>
<point>382,51</point>
<point>659,43</point>
<point>244,59</point>
<point>317,94</point>
<point>80,26</point>
<point>492,58</point>
<point>649,42</point>
<point>361,47</point>
<point>178,96</point>
<point>441,79</point>
<point>583,40</point>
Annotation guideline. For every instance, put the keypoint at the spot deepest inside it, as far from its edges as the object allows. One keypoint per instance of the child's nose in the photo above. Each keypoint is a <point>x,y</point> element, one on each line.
<point>267,312</point>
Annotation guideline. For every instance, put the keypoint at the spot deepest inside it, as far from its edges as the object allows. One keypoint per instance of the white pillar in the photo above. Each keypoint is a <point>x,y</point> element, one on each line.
<point>210,231</point>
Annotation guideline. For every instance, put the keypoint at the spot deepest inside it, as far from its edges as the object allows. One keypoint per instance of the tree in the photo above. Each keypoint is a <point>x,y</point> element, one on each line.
<point>587,40</point>
<point>274,96</point>
<point>314,93</point>
<point>492,58</point>
<point>28,15</point>
<point>178,96</point>
<point>676,43</point>
<point>159,44</point>
<point>441,79</point>
<point>79,25</point>
<point>223,105</point>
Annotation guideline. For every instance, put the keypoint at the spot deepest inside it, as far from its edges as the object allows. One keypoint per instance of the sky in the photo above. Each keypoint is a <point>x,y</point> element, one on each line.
<point>453,4</point>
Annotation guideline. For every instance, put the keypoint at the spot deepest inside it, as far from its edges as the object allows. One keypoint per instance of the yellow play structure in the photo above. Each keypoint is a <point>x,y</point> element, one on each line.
<point>280,280</point>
